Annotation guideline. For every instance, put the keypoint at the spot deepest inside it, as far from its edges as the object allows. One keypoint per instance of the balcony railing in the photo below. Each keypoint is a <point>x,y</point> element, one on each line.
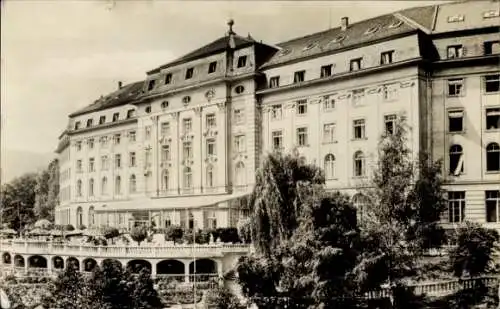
<point>147,251</point>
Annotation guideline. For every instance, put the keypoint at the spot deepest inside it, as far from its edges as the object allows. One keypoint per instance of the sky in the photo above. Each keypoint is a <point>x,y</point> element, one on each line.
<point>59,56</point>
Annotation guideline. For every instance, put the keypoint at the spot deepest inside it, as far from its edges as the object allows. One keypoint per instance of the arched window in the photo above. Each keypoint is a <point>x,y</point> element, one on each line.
<point>360,202</point>
<point>79,187</point>
<point>359,164</point>
<point>91,216</point>
<point>133,184</point>
<point>79,217</point>
<point>210,176</point>
<point>165,180</point>
<point>118,185</point>
<point>91,187</point>
<point>493,157</point>
<point>240,174</point>
<point>456,160</point>
<point>329,166</point>
<point>104,185</point>
<point>188,178</point>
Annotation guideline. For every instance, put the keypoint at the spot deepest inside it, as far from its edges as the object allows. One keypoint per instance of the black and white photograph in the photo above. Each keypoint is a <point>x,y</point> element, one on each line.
<point>233,154</point>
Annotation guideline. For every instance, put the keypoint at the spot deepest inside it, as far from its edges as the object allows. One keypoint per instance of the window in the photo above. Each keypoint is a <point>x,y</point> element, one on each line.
<point>492,118</point>
<point>359,164</point>
<point>359,129</point>
<point>455,87</point>
<point>238,116</point>
<point>492,83</point>
<point>165,129</point>
<point>302,107</point>
<point>132,159</point>
<point>328,133</point>
<point>212,67</point>
<point>168,78</point>
<point>102,119</point>
<point>276,112</point>
<point>165,153</point>
<point>187,152</point>
<point>104,185</point>
<point>210,176</point>
<point>79,166</point>
<point>328,103</point>
<point>455,51</point>
<point>386,57</point>
<point>147,132</point>
<point>116,116</point>
<point>118,161</point>
<point>117,139</point>
<point>493,157</point>
<point>456,206</point>
<point>492,205</point>
<point>131,136</point>
<point>274,82</point>
<point>456,160</point>
<point>239,89</point>
<point>90,142</point>
<point>361,203</point>
<point>302,136</point>
<point>79,187</point>
<point>118,185</point>
<point>79,217</point>
<point>189,73</point>
<point>491,48</point>
<point>277,137</point>
<point>147,109</point>
<point>390,124</point>
<point>164,104</point>
<point>355,64</point>
<point>77,125</point>
<point>326,70</point>
<point>329,166</point>
<point>89,122</point>
<point>357,97</point>
<point>211,147</point>
<point>91,187</point>
<point>165,180</point>
<point>240,174</point>
<point>188,178</point>
<point>299,76</point>
<point>211,220</point>
<point>210,121</point>
<point>104,141</point>
<point>242,61</point>
<point>104,163</point>
<point>455,121</point>
<point>151,84</point>
<point>187,125</point>
<point>91,165</point>
<point>186,100</point>
<point>239,143</point>
<point>130,114</point>
<point>132,184</point>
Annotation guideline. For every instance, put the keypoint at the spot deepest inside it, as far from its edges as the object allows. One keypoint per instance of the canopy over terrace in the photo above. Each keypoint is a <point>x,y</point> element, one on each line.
<point>162,212</point>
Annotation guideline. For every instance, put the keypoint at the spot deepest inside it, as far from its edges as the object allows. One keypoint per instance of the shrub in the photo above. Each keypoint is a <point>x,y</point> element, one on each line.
<point>111,232</point>
<point>138,233</point>
<point>245,230</point>
<point>228,234</point>
<point>69,227</point>
<point>173,233</point>
<point>82,227</point>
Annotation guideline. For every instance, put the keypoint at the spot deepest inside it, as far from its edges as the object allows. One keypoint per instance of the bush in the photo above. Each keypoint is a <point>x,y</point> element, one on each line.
<point>111,232</point>
<point>138,233</point>
<point>69,227</point>
<point>245,230</point>
<point>228,234</point>
<point>173,233</point>
<point>82,227</point>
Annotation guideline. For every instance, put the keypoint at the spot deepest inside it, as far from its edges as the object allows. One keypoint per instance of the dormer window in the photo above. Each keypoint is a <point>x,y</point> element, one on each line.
<point>492,47</point>
<point>151,84</point>
<point>395,24</point>
<point>186,100</point>
<point>299,76</point>
<point>130,114</point>
<point>274,82</point>
<point>284,52</point>
<point>116,116</point>
<point>372,30</point>
<point>77,125</point>
<point>148,109</point>
<point>386,57</point>
<point>239,89</point>
<point>456,18</point>
<point>455,51</point>
<point>212,67</point>
<point>89,122</point>
<point>355,64</point>
<point>491,14</point>
<point>189,73</point>
<point>102,119</point>
<point>310,46</point>
<point>326,71</point>
<point>242,61</point>
<point>164,104</point>
<point>168,78</point>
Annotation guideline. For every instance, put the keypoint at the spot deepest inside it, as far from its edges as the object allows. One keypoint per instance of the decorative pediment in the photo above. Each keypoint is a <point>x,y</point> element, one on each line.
<point>210,132</point>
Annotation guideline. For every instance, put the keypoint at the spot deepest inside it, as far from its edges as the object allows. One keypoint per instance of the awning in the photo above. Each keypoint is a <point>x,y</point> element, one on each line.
<point>165,203</point>
<point>456,114</point>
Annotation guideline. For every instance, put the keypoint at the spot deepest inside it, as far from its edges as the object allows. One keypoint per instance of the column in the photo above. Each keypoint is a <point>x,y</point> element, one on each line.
<point>153,269</point>
<point>186,271</point>
<point>49,265</point>
<point>26,262</point>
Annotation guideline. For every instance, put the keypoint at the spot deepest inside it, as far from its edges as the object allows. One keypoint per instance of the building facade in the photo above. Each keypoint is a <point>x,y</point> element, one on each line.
<point>183,146</point>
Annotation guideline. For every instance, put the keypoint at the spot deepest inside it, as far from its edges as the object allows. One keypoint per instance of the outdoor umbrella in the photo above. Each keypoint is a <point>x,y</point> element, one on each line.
<point>43,224</point>
<point>39,232</point>
<point>73,233</point>
<point>7,232</point>
<point>92,232</point>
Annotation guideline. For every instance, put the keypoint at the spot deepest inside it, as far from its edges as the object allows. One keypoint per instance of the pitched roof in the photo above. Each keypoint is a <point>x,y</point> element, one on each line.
<point>423,16</point>
<point>122,96</point>
<point>336,38</point>
<point>214,47</point>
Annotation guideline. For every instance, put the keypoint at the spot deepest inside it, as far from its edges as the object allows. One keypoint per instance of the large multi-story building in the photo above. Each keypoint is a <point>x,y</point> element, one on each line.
<point>182,146</point>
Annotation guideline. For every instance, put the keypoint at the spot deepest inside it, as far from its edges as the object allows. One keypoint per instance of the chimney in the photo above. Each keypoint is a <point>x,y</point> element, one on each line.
<point>120,84</point>
<point>344,23</point>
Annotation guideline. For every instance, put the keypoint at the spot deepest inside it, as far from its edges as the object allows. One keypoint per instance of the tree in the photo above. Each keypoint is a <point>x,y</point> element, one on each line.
<point>143,294</point>
<point>139,233</point>
<point>245,230</point>
<point>47,191</point>
<point>67,290</point>
<point>221,298</point>
<point>111,232</point>
<point>17,200</point>
<point>173,233</point>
